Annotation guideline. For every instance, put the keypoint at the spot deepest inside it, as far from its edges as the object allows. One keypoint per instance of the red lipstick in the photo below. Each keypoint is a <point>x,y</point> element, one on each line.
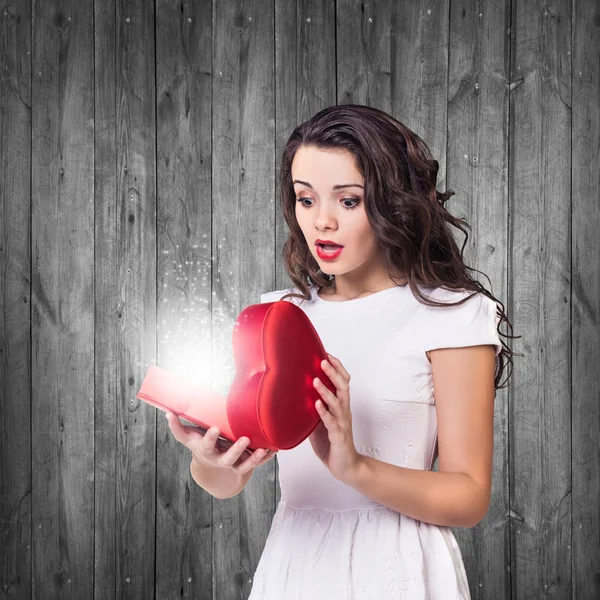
<point>328,243</point>
<point>328,250</point>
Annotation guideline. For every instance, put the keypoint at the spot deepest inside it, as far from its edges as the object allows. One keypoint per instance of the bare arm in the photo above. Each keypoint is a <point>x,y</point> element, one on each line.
<point>458,494</point>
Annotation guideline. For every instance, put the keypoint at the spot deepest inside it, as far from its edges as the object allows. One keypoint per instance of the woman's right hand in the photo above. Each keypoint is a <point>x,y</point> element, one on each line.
<point>205,449</point>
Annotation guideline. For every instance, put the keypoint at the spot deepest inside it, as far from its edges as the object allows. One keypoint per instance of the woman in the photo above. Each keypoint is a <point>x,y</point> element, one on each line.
<point>416,359</point>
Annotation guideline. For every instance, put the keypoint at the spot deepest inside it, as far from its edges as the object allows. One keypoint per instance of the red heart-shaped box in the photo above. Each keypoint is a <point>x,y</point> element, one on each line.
<point>277,354</point>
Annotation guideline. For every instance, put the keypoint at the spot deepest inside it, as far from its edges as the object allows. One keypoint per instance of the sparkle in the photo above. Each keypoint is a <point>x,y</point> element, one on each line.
<point>195,324</point>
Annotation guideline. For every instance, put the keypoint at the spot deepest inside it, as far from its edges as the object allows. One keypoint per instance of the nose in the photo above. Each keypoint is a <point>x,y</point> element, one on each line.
<point>325,218</point>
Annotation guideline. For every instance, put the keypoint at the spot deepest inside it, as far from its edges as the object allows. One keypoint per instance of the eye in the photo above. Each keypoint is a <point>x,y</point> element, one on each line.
<point>348,199</point>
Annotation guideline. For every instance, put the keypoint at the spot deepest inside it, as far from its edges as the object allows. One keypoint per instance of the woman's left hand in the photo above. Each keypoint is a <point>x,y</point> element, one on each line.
<point>332,440</point>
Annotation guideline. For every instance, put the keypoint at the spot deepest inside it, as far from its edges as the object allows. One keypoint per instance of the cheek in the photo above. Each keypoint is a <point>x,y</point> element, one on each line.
<point>368,245</point>
<point>365,235</point>
<point>302,223</point>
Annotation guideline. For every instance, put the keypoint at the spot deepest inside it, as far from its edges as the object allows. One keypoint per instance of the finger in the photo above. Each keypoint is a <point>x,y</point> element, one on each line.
<point>341,383</point>
<point>184,434</point>
<point>269,454</point>
<point>175,423</point>
<point>254,461</point>
<point>327,396</point>
<point>176,427</point>
<point>338,364</point>
<point>249,460</point>
<point>210,440</point>
<point>325,415</point>
<point>229,458</point>
<point>334,375</point>
<point>194,437</point>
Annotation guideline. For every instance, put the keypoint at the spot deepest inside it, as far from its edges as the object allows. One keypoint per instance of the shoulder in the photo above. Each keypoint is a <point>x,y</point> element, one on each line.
<point>472,323</point>
<point>276,295</point>
<point>476,303</point>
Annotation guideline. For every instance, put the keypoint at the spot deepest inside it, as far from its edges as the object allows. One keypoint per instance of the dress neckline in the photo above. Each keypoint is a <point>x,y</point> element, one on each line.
<point>374,296</point>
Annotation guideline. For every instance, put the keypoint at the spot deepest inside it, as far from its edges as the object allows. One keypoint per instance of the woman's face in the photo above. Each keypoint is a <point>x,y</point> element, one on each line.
<point>338,215</point>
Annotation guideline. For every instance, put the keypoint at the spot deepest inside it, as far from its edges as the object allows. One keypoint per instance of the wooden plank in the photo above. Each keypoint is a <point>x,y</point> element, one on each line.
<point>107,301</point>
<point>418,72</point>
<point>585,299</point>
<point>364,70</point>
<point>478,99</point>
<point>242,245</point>
<point>184,523</point>
<point>125,299</point>
<point>136,248</point>
<point>62,336</point>
<point>15,302</point>
<point>539,427</point>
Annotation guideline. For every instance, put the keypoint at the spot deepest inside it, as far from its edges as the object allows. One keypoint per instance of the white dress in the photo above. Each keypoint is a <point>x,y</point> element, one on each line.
<point>328,541</point>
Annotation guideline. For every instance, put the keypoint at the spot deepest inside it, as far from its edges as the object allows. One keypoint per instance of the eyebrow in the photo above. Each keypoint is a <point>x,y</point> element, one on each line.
<point>335,187</point>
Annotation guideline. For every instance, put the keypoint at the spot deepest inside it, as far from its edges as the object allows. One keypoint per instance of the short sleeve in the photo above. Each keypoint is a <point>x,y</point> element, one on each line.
<point>473,323</point>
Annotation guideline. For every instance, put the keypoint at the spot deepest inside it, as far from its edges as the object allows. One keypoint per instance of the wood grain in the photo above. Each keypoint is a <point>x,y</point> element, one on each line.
<point>125,478</point>
<point>540,265</point>
<point>584,395</point>
<point>62,310</point>
<point>139,154</point>
<point>15,303</point>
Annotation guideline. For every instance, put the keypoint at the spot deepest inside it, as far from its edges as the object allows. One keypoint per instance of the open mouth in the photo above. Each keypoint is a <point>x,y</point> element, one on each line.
<point>328,252</point>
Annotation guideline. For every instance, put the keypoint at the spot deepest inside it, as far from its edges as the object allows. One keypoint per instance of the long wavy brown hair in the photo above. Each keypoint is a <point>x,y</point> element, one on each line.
<point>404,207</point>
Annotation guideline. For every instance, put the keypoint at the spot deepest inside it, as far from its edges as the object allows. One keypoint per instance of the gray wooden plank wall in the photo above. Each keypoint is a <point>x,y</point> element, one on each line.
<point>139,147</point>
